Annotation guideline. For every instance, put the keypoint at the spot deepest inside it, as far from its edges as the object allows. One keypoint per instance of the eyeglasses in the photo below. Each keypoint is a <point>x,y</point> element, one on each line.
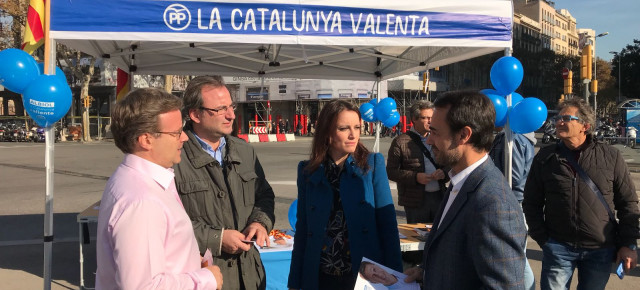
<point>175,134</point>
<point>565,118</point>
<point>220,110</point>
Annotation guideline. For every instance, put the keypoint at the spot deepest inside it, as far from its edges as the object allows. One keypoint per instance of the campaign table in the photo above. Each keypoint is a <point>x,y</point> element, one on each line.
<point>412,241</point>
<point>276,262</point>
<point>89,215</point>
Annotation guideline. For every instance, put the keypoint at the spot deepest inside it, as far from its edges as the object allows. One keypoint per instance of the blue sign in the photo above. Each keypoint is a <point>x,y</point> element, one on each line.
<point>206,17</point>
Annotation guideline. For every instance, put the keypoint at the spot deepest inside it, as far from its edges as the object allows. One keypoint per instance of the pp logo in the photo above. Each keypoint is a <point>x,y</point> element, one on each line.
<point>177,17</point>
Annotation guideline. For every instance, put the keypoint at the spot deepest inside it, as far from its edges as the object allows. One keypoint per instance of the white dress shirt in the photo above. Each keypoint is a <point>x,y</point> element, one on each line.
<point>457,181</point>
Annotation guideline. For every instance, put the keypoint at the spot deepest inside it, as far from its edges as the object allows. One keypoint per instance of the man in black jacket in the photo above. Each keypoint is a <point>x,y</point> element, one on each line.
<point>572,222</point>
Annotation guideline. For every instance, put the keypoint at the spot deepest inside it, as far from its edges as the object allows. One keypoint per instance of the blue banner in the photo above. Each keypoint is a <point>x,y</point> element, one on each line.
<point>270,19</point>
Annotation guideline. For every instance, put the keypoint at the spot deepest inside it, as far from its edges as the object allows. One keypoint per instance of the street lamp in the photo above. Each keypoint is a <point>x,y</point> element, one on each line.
<point>595,73</point>
<point>619,76</point>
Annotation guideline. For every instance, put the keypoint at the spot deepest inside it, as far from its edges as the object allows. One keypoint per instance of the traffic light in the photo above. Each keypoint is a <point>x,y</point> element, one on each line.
<point>594,86</point>
<point>586,62</point>
<point>568,88</point>
<point>425,81</point>
<point>87,101</point>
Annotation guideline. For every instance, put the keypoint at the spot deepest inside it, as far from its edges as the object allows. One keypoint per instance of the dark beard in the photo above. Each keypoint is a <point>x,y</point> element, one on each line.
<point>448,159</point>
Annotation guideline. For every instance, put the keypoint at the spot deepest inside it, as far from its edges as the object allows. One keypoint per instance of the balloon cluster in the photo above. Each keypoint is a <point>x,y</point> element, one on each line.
<point>386,111</point>
<point>525,115</point>
<point>46,98</point>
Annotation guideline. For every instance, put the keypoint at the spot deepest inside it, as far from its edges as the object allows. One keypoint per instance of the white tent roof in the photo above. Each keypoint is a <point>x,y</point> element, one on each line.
<point>321,39</point>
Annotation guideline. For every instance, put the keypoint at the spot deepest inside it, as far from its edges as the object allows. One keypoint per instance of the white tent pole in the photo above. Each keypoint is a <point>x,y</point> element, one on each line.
<point>49,61</point>
<point>376,145</point>
<point>508,146</point>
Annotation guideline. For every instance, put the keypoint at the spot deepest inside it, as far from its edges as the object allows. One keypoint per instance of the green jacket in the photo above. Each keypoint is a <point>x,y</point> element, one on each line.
<point>215,203</point>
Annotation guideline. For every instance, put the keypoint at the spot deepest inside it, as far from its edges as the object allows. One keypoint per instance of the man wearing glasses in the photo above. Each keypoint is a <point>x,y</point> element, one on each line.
<point>145,239</point>
<point>222,185</point>
<point>570,196</point>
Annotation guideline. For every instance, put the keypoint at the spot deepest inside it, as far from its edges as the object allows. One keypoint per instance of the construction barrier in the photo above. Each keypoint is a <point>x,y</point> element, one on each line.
<point>254,138</point>
<point>290,137</point>
<point>259,130</point>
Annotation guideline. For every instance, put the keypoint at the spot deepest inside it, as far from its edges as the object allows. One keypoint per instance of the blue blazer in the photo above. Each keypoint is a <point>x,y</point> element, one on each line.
<point>368,209</point>
<point>480,243</point>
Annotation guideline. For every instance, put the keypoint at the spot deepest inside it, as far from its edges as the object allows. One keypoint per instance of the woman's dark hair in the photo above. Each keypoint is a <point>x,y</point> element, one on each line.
<point>326,126</point>
<point>473,109</point>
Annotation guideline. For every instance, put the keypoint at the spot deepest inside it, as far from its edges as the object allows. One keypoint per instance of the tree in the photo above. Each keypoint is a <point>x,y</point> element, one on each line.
<point>626,69</point>
<point>83,73</point>
<point>607,93</point>
<point>13,16</point>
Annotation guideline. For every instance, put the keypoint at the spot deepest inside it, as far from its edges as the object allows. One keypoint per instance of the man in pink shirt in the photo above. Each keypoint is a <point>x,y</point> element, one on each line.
<point>145,238</point>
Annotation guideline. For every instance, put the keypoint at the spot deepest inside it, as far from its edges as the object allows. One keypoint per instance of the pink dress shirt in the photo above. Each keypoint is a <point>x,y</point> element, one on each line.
<point>145,238</point>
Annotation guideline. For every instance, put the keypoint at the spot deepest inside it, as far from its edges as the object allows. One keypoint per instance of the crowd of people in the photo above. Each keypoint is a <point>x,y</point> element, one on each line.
<point>188,200</point>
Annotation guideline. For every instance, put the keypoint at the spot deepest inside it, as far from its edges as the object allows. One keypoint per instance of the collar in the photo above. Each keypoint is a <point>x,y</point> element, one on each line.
<point>207,147</point>
<point>199,158</point>
<point>424,139</point>
<point>318,175</point>
<point>163,176</point>
<point>458,180</point>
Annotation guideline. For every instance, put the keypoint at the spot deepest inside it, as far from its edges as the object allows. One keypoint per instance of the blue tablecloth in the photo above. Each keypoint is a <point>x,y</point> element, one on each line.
<point>276,267</point>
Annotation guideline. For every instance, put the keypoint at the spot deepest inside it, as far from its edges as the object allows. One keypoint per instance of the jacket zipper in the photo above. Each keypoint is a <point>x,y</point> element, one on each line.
<point>574,201</point>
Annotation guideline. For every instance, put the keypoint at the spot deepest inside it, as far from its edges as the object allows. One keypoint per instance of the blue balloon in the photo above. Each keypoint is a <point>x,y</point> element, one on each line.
<point>506,75</point>
<point>515,98</point>
<point>374,102</point>
<point>528,115</point>
<point>47,99</point>
<point>392,120</point>
<point>17,70</point>
<point>59,72</point>
<point>293,211</point>
<point>367,112</point>
<point>500,105</point>
<point>385,108</point>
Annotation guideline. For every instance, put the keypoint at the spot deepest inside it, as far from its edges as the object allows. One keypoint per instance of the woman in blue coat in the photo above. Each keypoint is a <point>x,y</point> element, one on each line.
<point>345,210</point>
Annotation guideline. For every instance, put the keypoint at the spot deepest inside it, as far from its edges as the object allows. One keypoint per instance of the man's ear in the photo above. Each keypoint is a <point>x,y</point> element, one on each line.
<point>194,115</point>
<point>145,141</point>
<point>464,135</point>
<point>587,126</point>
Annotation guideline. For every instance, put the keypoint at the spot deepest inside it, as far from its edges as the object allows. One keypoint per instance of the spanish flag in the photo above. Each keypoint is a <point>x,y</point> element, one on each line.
<point>34,30</point>
<point>122,84</point>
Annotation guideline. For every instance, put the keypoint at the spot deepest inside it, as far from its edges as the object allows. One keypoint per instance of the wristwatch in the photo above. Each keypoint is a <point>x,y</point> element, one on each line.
<point>633,247</point>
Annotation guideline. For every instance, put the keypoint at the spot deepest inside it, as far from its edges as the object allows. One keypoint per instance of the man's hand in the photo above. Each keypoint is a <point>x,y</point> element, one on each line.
<point>232,242</point>
<point>437,175</point>
<point>423,178</point>
<point>629,258</point>
<point>260,233</point>
<point>215,270</point>
<point>413,274</point>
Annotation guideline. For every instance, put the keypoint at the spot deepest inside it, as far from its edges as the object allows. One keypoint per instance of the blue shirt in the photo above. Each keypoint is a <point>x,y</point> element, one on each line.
<point>217,153</point>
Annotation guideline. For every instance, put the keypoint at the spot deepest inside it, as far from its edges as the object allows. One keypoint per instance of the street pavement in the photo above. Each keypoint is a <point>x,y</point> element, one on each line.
<point>81,171</point>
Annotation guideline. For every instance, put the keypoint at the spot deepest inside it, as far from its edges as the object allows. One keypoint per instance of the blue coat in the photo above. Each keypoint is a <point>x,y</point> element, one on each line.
<point>480,242</point>
<point>369,211</point>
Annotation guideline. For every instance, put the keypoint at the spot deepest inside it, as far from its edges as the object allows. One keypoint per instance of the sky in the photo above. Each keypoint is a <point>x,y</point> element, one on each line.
<point>618,17</point>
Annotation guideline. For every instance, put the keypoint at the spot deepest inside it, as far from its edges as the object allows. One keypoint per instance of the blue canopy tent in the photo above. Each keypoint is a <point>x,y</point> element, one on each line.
<point>307,39</point>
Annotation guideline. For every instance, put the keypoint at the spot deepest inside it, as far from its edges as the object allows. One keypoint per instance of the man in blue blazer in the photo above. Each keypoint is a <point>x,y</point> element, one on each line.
<point>478,235</point>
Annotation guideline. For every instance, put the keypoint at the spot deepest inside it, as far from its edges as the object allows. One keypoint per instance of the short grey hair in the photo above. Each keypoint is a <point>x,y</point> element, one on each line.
<point>585,112</point>
<point>192,96</point>
<point>418,106</point>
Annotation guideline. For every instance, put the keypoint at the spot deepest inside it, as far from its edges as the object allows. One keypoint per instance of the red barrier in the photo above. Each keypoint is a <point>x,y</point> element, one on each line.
<point>244,137</point>
<point>280,138</point>
<point>263,137</point>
